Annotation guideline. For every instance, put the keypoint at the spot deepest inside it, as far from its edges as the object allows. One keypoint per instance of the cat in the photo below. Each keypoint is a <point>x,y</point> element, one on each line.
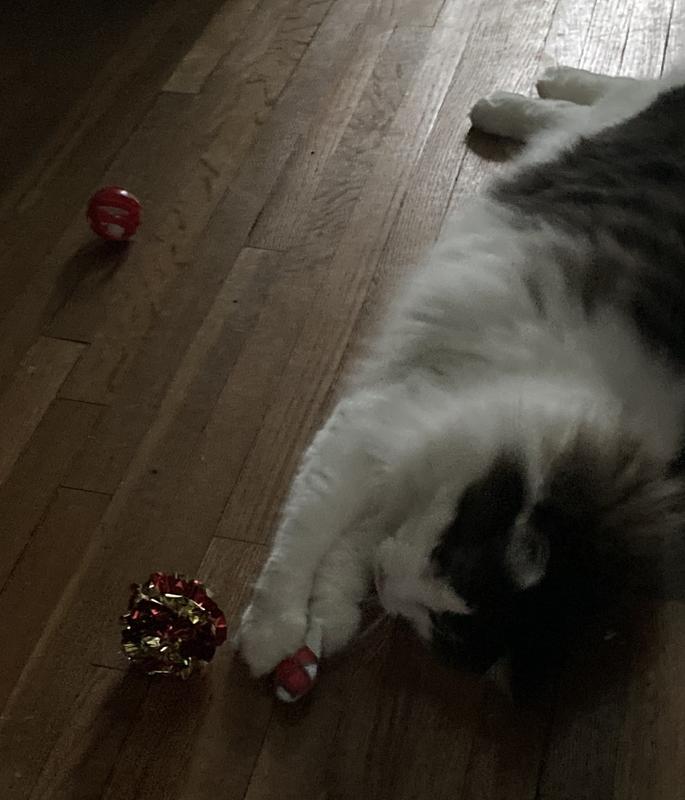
<point>504,459</point>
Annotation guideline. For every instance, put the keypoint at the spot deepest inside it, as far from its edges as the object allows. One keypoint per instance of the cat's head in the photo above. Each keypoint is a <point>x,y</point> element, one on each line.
<point>508,561</point>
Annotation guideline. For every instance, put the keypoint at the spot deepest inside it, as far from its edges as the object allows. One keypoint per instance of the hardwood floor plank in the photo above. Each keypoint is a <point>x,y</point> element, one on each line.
<point>651,746</point>
<point>217,727</point>
<point>158,519</point>
<point>41,206</point>
<point>223,32</point>
<point>270,345</point>
<point>189,378</point>
<point>365,731</point>
<point>191,739</point>
<point>313,364</point>
<point>27,398</point>
<point>114,296</point>
<point>645,48</point>
<point>39,470</point>
<point>408,12</point>
<point>382,754</point>
<point>208,468</point>
<point>607,36</point>
<point>41,574</point>
<point>675,44</point>
<point>102,706</point>
<point>581,756</point>
<point>236,106</point>
<point>64,67</point>
<point>217,131</point>
<point>305,753</point>
<point>284,220</point>
<point>507,750</point>
<point>569,32</point>
<point>217,245</point>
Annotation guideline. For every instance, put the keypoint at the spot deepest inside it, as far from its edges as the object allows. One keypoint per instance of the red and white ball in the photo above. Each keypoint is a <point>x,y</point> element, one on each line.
<point>114,213</point>
<point>294,677</point>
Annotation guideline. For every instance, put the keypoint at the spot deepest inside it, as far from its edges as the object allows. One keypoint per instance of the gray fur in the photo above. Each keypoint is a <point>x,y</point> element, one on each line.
<point>622,191</point>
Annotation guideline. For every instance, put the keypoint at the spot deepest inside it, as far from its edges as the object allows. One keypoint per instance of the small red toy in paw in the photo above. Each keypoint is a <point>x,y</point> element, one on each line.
<point>294,676</point>
<point>114,213</point>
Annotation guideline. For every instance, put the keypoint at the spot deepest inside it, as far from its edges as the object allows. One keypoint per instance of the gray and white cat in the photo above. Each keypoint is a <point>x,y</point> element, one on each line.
<point>511,440</point>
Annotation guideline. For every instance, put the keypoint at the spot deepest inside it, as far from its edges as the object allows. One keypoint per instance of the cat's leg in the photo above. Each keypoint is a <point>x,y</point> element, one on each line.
<point>518,117</point>
<point>578,85</point>
<point>342,583</point>
<point>332,491</point>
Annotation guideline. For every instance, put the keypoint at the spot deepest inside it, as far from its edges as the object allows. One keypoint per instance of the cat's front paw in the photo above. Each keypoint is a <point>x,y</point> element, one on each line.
<point>266,637</point>
<point>339,622</point>
<point>569,84</point>
<point>498,113</point>
<point>550,82</point>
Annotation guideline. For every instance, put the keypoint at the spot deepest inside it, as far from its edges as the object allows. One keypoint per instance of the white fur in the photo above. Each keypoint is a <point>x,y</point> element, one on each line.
<point>462,365</point>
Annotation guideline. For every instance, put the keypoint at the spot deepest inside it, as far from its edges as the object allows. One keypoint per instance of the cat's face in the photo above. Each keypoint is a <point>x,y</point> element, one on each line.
<point>502,567</point>
<point>458,570</point>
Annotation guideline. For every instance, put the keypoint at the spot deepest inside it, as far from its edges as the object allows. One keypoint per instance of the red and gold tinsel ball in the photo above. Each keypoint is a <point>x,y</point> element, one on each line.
<point>114,213</point>
<point>171,626</point>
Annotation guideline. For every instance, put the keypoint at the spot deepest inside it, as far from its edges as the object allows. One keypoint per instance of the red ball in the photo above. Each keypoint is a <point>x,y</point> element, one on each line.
<point>114,213</point>
<point>294,676</point>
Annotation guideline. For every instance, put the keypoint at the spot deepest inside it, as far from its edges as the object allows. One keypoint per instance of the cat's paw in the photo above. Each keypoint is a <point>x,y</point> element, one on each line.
<point>339,622</point>
<point>266,637</point>
<point>498,113</point>
<point>551,80</point>
<point>567,83</point>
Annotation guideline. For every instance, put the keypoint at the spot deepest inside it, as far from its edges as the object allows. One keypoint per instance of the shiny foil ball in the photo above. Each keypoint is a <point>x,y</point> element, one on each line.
<point>172,625</point>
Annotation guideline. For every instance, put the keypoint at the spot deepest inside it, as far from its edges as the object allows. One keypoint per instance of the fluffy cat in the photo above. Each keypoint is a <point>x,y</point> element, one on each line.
<point>505,458</point>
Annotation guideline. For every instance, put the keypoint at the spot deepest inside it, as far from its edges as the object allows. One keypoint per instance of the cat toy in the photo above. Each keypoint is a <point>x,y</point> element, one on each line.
<point>172,625</point>
<point>114,213</point>
<point>294,677</point>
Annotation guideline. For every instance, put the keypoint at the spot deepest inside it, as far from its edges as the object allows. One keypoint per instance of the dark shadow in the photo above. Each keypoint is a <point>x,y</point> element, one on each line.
<point>111,725</point>
<point>94,263</point>
<point>492,148</point>
<point>53,53</point>
<point>143,714</point>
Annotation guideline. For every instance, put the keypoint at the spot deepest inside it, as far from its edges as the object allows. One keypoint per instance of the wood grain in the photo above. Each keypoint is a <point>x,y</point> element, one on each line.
<point>79,757</point>
<point>651,747</point>
<point>33,388</point>
<point>76,77</point>
<point>223,32</point>
<point>149,523</point>
<point>50,557</point>
<point>218,128</point>
<point>675,45</point>
<point>37,473</point>
<point>207,727</point>
<point>121,76</point>
<point>313,364</point>
<point>285,219</point>
<point>645,49</point>
<point>167,367</point>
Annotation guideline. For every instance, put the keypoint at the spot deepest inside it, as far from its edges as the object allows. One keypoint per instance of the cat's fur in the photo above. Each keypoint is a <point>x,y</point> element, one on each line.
<point>504,459</point>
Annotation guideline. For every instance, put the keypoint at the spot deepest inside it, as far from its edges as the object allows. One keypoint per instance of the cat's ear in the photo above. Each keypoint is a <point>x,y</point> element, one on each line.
<point>527,555</point>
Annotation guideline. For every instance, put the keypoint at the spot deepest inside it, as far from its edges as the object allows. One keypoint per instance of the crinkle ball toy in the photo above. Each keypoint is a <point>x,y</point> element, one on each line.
<point>172,625</point>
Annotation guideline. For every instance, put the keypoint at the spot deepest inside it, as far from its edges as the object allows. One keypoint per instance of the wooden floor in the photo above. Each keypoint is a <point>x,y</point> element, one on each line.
<point>294,158</point>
